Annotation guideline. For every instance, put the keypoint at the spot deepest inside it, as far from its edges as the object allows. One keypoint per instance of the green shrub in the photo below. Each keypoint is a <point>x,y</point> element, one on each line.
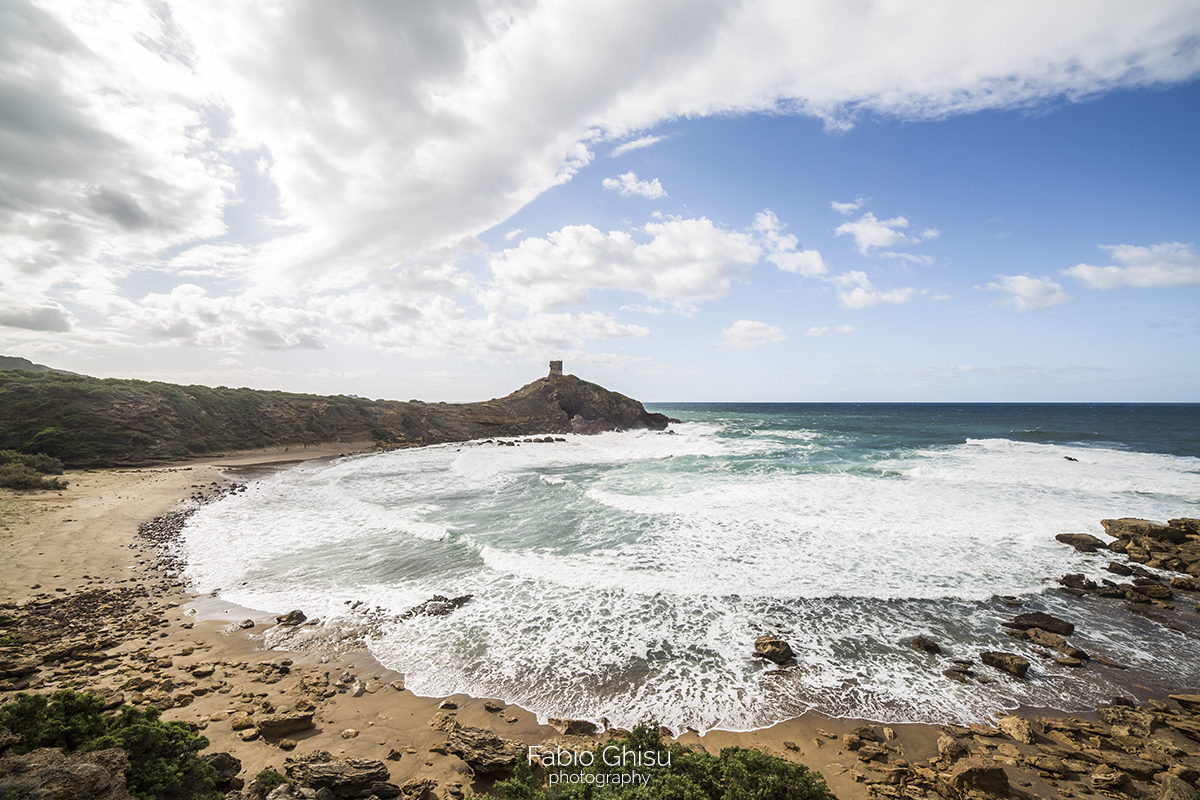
<point>266,781</point>
<point>162,755</point>
<point>19,476</point>
<point>675,774</point>
<point>39,462</point>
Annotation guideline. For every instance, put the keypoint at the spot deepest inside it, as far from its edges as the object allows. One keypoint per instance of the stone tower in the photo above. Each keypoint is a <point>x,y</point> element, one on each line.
<point>555,369</point>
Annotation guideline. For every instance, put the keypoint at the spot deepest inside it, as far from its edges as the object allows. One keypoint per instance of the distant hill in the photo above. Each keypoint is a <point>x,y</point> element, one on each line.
<point>97,422</point>
<point>16,362</point>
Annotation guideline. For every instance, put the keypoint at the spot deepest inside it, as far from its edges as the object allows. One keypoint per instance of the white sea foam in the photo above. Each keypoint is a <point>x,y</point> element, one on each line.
<point>626,575</point>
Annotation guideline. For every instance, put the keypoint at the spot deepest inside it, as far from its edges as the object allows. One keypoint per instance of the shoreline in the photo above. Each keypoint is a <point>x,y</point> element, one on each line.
<point>82,545</point>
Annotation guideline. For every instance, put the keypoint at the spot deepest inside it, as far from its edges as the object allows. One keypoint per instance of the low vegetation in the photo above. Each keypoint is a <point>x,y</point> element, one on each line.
<point>29,471</point>
<point>164,764</point>
<point>674,773</point>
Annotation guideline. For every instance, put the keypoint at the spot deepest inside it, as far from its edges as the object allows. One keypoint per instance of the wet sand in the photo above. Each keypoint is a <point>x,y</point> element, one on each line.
<point>76,570</point>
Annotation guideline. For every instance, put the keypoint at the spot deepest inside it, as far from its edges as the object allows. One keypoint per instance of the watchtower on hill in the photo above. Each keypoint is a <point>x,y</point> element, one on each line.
<point>555,369</point>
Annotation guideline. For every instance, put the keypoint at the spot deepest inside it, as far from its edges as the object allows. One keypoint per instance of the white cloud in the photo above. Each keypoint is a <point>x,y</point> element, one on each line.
<point>387,137</point>
<point>869,232</point>
<point>746,334</point>
<point>846,209</point>
<point>846,329</point>
<point>636,144</point>
<point>685,260</point>
<point>825,330</point>
<point>1159,266</point>
<point>47,316</point>
<point>856,291</point>
<point>628,184</point>
<point>1029,294</point>
<point>514,233</point>
<point>782,248</point>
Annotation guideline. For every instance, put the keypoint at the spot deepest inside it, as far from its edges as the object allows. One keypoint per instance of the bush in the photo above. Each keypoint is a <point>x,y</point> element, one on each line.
<point>39,462</point>
<point>162,755</point>
<point>19,476</point>
<point>266,781</point>
<point>676,774</point>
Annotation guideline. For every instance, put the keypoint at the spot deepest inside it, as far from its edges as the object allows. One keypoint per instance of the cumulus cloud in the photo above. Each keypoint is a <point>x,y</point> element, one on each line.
<point>628,184</point>
<point>855,290</point>
<point>636,144</point>
<point>782,249</point>
<point>48,316</point>
<point>846,209</point>
<point>396,133</point>
<point>869,233</point>
<point>1026,293</point>
<point>685,260</point>
<point>1159,266</point>
<point>746,334</point>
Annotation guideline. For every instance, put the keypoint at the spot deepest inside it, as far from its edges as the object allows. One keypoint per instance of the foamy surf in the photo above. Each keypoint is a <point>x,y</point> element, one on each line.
<point>627,575</point>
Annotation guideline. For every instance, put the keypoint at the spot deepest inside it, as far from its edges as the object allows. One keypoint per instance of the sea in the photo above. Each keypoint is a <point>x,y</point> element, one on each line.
<point>625,576</point>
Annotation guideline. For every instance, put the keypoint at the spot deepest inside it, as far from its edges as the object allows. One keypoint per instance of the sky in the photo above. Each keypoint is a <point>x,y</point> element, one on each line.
<point>684,200</point>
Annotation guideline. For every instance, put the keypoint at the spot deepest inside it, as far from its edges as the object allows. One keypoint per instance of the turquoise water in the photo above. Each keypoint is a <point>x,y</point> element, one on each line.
<point>627,575</point>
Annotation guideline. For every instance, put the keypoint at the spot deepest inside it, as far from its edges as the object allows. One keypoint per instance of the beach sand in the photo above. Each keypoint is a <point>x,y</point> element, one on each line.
<point>77,553</point>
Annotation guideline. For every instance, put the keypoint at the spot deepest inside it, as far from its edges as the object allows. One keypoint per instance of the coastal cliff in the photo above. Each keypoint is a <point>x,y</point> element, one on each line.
<point>98,422</point>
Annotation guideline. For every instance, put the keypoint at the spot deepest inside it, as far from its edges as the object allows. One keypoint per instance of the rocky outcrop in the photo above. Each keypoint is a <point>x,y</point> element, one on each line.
<point>344,777</point>
<point>46,774</point>
<point>1011,663</point>
<point>485,752</point>
<point>1174,547</point>
<point>1083,542</point>
<point>1038,619</point>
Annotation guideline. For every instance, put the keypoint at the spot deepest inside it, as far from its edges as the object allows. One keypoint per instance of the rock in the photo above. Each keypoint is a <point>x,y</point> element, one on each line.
<point>1008,662</point>
<point>1139,722</point>
<point>951,748</point>
<point>99,775</point>
<point>1185,584</point>
<point>279,725</point>
<point>774,649</point>
<point>227,768</point>
<point>1038,619</point>
<point>1189,701</point>
<point>296,617</point>
<point>350,733</point>
<point>1017,728</point>
<point>344,777</point>
<point>1174,788</point>
<point>1188,727</point>
<point>1076,580</point>
<point>925,645</point>
<point>572,727</point>
<point>17,667</point>
<point>492,706</point>
<point>1108,779</point>
<point>241,721</point>
<point>1118,568</point>
<point>1128,528</point>
<point>978,774</point>
<point>1186,524</point>
<point>960,674</point>
<point>1083,542</point>
<point>484,751</point>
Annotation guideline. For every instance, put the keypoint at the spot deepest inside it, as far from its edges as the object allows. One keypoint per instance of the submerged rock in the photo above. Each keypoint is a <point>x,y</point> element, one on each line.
<point>774,649</point>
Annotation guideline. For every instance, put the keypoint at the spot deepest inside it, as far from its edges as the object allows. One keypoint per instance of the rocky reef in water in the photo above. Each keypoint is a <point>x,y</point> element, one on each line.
<point>86,421</point>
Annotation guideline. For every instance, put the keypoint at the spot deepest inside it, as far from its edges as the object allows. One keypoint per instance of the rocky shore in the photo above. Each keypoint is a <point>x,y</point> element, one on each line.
<point>92,602</point>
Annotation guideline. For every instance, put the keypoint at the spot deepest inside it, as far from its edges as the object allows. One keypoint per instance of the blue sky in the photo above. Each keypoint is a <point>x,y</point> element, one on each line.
<point>717,201</point>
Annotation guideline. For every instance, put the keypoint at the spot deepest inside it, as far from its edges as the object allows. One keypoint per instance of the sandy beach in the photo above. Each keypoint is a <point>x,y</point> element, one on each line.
<point>75,569</point>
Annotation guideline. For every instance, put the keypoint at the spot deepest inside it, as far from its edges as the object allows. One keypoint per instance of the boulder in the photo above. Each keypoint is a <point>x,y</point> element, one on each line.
<point>572,727</point>
<point>1189,701</point>
<point>1186,524</point>
<point>1008,662</point>
<point>1108,779</point>
<point>1038,619</point>
<point>951,749</point>
<point>1117,568</point>
<point>980,775</point>
<point>1083,542</point>
<point>1017,728</point>
<point>279,725</point>
<point>296,617</point>
<point>485,752</point>
<point>925,645</point>
<point>1076,580</point>
<point>1180,584</point>
<point>774,649</point>
<point>1174,788</point>
<point>227,768</point>
<point>349,777</point>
